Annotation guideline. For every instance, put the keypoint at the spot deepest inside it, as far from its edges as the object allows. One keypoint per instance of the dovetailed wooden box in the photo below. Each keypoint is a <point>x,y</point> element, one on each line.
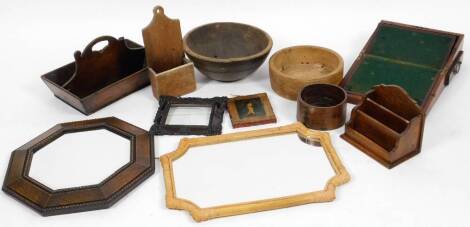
<point>420,60</point>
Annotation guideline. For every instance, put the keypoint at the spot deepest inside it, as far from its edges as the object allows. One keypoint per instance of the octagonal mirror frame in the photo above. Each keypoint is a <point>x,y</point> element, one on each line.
<point>48,202</point>
<point>202,214</point>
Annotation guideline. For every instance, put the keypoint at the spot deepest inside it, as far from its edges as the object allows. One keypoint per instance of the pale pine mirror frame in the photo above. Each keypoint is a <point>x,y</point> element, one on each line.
<point>202,214</point>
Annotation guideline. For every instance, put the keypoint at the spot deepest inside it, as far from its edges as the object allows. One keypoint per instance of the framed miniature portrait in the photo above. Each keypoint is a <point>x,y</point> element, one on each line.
<point>169,105</point>
<point>250,110</point>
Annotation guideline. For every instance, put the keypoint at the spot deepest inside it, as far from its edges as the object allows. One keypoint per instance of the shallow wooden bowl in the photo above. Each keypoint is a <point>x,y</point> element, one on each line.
<point>293,68</point>
<point>227,51</point>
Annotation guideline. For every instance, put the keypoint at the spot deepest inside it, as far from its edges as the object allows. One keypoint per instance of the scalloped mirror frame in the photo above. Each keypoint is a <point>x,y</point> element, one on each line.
<point>202,214</point>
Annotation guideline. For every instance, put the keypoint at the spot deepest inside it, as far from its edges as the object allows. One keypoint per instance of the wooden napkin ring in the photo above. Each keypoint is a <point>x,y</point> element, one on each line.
<point>322,106</point>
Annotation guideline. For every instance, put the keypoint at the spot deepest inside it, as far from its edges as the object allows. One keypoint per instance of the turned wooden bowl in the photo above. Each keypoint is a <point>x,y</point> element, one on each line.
<point>322,106</point>
<point>227,51</point>
<point>292,68</point>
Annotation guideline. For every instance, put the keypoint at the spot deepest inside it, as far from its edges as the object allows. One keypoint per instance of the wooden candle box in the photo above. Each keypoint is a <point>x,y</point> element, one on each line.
<point>98,78</point>
<point>387,125</point>
<point>420,60</point>
<point>170,73</point>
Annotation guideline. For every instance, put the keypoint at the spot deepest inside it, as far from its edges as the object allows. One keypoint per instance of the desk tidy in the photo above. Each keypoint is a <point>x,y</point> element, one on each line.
<point>387,125</point>
<point>394,81</point>
<point>98,78</point>
<point>293,68</point>
<point>48,202</point>
<point>202,214</point>
<point>420,60</point>
<point>170,73</point>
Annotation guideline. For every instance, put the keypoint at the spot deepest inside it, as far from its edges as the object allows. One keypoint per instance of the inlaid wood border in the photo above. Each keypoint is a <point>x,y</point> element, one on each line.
<point>48,202</point>
<point>202,214</point>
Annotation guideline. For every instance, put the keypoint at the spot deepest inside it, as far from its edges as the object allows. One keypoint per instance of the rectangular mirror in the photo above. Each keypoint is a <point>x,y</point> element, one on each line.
<point>188,115</point>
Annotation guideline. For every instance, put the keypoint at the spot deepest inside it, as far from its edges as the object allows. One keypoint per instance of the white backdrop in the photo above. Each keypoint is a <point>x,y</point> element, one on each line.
<point>430,189</point>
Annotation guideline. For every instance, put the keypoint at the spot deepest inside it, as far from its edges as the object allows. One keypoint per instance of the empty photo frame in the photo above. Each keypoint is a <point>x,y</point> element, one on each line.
<point>217,107</point>
<point>199,213</point>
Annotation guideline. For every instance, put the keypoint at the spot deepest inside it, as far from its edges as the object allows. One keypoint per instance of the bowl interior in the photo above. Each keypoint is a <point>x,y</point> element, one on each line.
<point>323,95</point>
<point>306,62</point>
<point>227,40</point>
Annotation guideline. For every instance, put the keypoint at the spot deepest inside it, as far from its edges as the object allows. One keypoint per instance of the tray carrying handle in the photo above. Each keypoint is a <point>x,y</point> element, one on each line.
<point>87,52</point>
<point>89,48</point>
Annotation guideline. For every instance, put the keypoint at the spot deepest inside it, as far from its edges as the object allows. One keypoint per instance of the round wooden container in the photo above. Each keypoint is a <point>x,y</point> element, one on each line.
<point>292,68</point>
<point>227,51</point>
<point>322,106</point>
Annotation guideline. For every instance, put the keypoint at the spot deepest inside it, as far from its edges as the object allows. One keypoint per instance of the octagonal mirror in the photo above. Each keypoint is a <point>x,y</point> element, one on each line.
<point>80,166</point>
<point>80,159</point>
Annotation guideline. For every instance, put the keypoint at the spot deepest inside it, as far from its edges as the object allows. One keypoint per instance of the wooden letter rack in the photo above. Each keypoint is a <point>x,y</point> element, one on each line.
<point>387,125</point>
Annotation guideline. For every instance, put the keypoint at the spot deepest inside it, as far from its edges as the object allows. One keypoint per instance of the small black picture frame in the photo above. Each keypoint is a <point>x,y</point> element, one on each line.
<point>218,106</point>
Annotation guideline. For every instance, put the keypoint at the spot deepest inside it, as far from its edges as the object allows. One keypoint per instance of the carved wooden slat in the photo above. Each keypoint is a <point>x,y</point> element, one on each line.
<point>163,42</point>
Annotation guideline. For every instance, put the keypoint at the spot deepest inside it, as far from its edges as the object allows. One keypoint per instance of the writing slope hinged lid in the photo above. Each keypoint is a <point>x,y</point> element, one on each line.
<point>420,60</point>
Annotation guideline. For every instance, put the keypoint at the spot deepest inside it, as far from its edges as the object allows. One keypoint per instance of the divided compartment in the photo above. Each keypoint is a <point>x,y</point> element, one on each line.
<point>374,130</point>
<point>380,124</point>
<point>396,102</point>
<point>98,78</point>
<point>97,69</point>
<point>383,115</point>
<point>387,125</point>
<point>64,75</point>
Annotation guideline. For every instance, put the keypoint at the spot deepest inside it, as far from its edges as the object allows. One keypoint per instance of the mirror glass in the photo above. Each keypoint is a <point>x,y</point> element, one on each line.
<point>80,159</point>
<point>188,115</point>
<point>250,170</point>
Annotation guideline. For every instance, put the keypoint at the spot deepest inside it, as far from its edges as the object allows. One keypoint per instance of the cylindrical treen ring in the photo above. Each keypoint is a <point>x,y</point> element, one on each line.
<point>322,106</point>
